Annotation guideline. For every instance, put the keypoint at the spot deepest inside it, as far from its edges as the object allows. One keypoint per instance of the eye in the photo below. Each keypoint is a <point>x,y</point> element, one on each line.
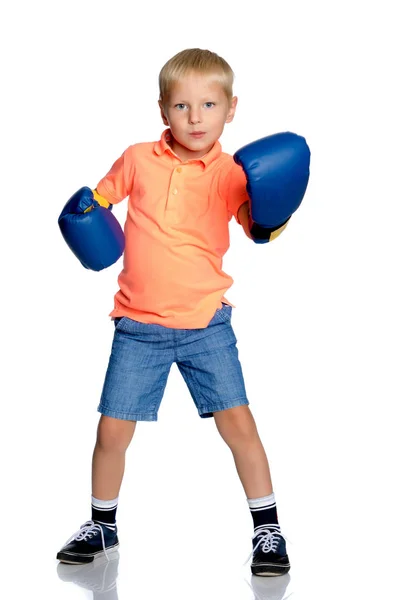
<point>181,104</point>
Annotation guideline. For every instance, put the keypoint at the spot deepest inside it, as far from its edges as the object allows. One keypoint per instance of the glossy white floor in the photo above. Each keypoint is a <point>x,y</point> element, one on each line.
<point>316,319</point>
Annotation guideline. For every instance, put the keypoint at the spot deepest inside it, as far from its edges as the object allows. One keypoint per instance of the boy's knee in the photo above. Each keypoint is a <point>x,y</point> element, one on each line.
<point>114,434</point>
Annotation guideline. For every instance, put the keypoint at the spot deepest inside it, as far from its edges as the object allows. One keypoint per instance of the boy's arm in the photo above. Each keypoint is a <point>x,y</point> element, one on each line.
<point>233,188</point>
<point>236,186</point>
<point>118,182</point>
<point>243,216</point>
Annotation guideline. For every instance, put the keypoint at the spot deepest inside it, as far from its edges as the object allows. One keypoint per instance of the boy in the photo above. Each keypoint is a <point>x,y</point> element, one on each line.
<point>183,191</point>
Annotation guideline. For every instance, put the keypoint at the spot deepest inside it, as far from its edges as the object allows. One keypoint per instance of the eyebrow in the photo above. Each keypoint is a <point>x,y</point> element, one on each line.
<point>204,97</point>
<point>201,100</point>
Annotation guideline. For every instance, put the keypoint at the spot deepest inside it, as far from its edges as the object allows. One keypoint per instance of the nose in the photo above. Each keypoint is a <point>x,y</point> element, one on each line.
<point>194,116</point>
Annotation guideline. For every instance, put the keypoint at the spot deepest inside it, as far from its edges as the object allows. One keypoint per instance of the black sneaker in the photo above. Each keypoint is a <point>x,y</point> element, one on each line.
<point>91,541</point>
<point>269,552</point>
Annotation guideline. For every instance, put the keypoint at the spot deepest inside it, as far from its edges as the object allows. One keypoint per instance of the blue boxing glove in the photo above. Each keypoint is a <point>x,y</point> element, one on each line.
<point>91,231</point>
<point>277,169</point>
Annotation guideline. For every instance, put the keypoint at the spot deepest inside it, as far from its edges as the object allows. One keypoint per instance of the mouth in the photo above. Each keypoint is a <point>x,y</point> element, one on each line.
<point>197,134</point>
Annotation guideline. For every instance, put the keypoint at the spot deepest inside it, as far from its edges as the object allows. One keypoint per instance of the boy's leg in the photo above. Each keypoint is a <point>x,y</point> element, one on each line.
<point>238,429</point>
<point>209,362</point>
<point>108,465</point>
<point>99,535</point>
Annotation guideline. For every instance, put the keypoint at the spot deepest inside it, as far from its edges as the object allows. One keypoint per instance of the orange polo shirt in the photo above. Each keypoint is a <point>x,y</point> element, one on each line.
<point>176,232</point>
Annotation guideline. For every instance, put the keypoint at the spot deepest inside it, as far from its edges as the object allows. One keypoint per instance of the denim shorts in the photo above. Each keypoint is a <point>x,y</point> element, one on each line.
<point>141,358</point>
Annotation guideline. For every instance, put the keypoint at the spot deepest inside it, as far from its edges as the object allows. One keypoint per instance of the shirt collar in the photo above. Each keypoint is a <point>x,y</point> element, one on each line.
<point>162,146</point>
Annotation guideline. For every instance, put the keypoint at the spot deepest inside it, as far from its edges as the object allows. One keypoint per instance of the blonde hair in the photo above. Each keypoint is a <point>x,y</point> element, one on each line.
<point>199,61</point>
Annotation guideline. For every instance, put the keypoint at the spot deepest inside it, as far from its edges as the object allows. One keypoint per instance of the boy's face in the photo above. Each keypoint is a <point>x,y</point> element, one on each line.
<point>197,103</point>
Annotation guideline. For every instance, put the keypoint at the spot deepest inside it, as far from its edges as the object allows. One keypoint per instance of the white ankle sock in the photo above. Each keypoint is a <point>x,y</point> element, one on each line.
<point>263,501</point>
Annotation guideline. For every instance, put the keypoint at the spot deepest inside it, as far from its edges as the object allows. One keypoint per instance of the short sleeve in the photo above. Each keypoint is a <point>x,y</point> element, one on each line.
<point>235,190</point>
<point>118,182</point>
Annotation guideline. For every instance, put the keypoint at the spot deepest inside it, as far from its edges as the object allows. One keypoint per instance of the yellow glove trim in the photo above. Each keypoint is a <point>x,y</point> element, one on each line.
<point>277,232</point>
<point>102,201</point>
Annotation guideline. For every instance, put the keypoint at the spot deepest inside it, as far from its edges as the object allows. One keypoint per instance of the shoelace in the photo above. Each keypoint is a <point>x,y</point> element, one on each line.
<point>88,530</point>
<point>268,538</point>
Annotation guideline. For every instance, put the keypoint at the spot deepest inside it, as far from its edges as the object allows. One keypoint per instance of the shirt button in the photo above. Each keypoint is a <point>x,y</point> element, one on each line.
<point>179,170</point>
<point>175,191</point>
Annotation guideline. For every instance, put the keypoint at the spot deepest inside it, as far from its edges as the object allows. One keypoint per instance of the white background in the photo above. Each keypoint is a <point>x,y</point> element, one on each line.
<point>317,310</point>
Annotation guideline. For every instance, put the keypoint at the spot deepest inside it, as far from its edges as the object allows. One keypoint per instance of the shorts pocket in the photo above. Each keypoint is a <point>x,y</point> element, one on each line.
<point>120,323</point>
<point>224,313</point>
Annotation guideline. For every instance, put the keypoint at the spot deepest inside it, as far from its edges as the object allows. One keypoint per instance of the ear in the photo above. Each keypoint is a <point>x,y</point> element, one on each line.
<point>232,110</point>
<point>163,116</point>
